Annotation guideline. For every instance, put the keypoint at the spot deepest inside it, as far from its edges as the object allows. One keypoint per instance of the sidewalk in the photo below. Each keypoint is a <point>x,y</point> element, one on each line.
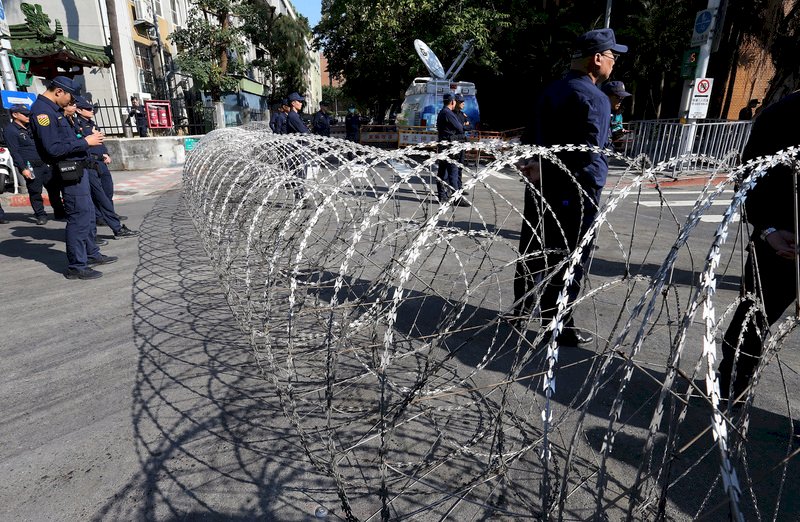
<point>129,185</point>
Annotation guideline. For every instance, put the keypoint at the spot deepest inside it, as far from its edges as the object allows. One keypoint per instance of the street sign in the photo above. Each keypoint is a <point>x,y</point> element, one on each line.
<point>701,97</point>
<point>17,97</point>
<point>4,30</point>
<point>689,62</point>
<point>703,27</point>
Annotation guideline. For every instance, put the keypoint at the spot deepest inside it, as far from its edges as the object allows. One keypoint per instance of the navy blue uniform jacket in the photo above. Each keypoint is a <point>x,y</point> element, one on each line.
<point>449,125</point>
<point>295,125</point>
<point>55,138</point>
<point>574,111</point>
<point>21,145</point>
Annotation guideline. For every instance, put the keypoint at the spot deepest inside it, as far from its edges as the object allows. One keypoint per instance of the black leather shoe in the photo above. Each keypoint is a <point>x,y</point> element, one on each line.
<point>4,222</point>
<point>41,220</point>
<point>574,336</point>
<point>124,232</point>
<point>461,202</point>
<point>101,223</point>
<point>85,273</point>
<point>102,260</point>
<point>100,242</point>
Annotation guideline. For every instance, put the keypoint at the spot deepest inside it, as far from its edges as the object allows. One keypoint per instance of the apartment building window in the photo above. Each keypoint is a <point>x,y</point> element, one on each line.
<point>144,62</point>
<point>176,12</point>
<point>157,8</point>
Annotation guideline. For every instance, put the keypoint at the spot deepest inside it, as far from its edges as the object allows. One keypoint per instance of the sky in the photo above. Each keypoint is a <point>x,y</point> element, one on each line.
<point>310,9</point>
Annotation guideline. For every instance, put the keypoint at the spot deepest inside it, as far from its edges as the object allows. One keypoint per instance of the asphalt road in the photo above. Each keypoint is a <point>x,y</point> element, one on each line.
<point>135,396</point>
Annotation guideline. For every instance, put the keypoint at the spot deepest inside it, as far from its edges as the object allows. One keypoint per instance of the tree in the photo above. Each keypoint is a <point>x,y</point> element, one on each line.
<point>370,42</point>
<point>210,47</point>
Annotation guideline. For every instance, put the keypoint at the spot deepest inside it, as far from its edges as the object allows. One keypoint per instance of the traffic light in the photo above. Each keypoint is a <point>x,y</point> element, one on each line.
<point>22,71</point>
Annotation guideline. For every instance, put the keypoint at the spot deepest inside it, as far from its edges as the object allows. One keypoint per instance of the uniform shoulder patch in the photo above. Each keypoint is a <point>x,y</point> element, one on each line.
<point>43,120</point>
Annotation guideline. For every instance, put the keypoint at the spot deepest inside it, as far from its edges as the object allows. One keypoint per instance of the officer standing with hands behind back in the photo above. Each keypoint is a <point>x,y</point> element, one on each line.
<point>67,155</point>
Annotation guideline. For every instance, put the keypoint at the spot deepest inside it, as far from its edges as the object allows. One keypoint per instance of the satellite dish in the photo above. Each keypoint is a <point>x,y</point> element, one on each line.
<point>429,59</point>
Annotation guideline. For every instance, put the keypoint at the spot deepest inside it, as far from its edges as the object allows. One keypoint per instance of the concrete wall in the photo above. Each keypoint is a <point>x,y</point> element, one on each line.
<point>147,153</point>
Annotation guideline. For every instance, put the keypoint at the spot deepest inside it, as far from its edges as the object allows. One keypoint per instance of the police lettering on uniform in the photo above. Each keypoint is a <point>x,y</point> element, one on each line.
<point>26,158</point>
<point>100,181</point>
<point>449,128</point>
<point>321,121</point>
<point>67,154</point>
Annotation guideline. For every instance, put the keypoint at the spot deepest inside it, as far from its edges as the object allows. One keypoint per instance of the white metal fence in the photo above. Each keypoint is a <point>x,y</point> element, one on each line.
<point>661,140</point>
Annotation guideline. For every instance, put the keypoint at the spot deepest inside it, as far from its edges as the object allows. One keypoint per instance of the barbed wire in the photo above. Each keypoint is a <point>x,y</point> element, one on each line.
<point>380,316</point>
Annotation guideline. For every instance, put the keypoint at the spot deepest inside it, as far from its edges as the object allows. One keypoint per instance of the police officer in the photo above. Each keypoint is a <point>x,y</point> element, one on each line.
<point>279,122</point>
<point>450,129</point>
<point>26,158</point>
<point>459,110</point>
<point>100,182</point>
<point>352,125</point>
<point>294,124</point>
<point>67,155</point>
<point>137,114</point>
<point>571,110</point>
<point>321,121</point>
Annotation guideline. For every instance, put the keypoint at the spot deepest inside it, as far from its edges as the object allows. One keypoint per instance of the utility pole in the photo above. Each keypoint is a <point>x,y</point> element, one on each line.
<point>119,70</point>
<point>687,143</point>
<point>608,13</point>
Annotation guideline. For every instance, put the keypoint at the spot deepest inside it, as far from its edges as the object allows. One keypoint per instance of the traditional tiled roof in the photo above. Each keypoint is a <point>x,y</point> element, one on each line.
<point>47,49</point>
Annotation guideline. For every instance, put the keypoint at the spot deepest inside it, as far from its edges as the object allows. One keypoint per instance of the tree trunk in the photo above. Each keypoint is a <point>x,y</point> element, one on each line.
<point>223,57</point>
<point>119,73</point>
<point>219,115</point>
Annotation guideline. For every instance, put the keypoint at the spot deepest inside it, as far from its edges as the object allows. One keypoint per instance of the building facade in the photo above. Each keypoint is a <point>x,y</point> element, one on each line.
<point>146,54</point>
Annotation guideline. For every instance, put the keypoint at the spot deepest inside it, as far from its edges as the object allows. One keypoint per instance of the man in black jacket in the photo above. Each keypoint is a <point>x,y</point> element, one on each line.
<point>449,127</point>
<point>769,272</point>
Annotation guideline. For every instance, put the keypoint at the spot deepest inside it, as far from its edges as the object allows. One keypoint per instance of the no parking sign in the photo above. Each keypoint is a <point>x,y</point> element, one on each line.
<point>701,96</point>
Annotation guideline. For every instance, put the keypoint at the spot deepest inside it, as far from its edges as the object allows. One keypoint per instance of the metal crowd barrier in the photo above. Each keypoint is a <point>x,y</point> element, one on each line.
<point>661,140</point>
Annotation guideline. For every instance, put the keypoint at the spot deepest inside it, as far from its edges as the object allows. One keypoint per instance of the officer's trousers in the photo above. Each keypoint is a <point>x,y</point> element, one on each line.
<point>772,278</point>
<point>80,229</point>
<point>103,206</point>
<point>448,180</point>
<point>547,237</point>
<point>106,180</point>
<point>41,179</point>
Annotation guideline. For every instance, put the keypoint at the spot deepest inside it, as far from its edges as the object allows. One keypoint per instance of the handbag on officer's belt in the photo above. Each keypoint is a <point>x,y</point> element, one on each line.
<point>70,170</point>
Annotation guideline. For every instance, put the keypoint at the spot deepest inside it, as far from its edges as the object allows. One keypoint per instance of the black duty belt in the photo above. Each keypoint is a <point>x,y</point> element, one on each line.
<point>37,163</point>
<point>98,157</point>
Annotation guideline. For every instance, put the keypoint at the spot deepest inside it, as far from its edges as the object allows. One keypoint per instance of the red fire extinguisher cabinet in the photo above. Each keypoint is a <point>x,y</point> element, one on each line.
<point>159,114</point>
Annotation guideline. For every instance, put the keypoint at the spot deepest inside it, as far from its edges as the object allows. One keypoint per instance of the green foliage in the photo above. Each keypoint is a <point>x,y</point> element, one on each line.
<point>284,41</point>
<point>210,46</point>
<point>370,42</point>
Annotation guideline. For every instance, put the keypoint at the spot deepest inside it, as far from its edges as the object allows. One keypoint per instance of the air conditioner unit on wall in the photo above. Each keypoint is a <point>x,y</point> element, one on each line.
<point>143,12</point>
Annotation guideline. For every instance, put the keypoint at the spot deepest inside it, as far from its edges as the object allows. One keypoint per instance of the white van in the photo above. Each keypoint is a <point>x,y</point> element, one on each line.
<point>424,101</point>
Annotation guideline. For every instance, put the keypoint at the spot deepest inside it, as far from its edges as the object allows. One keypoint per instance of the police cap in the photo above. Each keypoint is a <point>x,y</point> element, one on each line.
<point>19,108</point>
<point>83,104</point>
<point>285,102</point>
<point>617,88</point>
<point>62,82</point>
<point>324,103</point>
<point>447,98</point>
<point>296,97</point>
<point>597,41</point>
<point>459,97</point>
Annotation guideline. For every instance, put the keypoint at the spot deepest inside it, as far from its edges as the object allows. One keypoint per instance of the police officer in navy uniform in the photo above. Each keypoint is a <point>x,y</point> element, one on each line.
<point>571,110</point>
<point>280,117</point>
<point>100,181</point>
<point>26,158</point>
<point>294,124</point>
<point>67,155</point>
<point>137,114</point>
<point>449,128</point>
<point>459,110</point>
<point>321,121</point>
